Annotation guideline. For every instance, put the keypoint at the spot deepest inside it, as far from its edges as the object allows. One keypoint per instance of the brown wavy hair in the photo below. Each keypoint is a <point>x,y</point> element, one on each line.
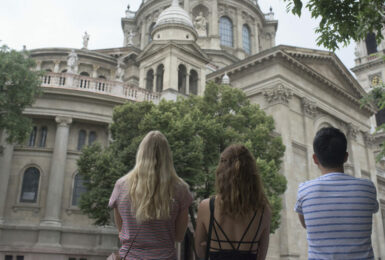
<point>238,182</point>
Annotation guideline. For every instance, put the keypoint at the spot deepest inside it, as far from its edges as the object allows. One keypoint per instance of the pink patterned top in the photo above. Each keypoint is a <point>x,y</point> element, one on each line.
<point>154,239</point>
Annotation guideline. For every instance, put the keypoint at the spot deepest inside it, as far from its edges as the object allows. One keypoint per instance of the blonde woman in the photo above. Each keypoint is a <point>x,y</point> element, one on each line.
<point>151,203</point>
<point>234,224</point>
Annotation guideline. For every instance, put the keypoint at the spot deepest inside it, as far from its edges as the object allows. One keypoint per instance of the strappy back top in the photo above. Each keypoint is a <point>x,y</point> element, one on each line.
<point>214,253</point>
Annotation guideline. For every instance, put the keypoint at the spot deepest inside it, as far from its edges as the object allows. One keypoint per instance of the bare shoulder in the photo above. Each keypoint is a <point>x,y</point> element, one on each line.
<point>204,205</point>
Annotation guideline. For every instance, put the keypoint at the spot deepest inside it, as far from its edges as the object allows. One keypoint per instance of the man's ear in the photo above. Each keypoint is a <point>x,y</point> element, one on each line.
<point>315,159</point>
<point>346,157</point>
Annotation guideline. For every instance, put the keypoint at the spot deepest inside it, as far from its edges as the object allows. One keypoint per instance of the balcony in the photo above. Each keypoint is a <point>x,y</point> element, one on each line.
<point>99,86</point>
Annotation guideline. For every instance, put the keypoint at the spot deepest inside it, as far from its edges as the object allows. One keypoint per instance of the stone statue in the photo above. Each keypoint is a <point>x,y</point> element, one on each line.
<point>86,38</point>
<point>130,37</point>
<point>357,51</point>
<point>72,62</point>
<point>200,24</point>
<point>119,70</point>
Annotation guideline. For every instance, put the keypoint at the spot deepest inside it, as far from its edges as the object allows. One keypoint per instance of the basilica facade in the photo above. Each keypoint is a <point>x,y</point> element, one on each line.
<point>172,48</point>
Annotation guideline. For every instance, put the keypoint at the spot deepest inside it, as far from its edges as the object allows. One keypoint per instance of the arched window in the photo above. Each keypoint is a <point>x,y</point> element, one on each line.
<point>371,44</point>
<point>83,73</point>
<point>159,78</point>
<point>150,29</point>
<point>43,136</point>
<point>91,137</point>
<point>182,73</point>
<point>150,80</point>
<point>81,139</point>
<point>246,39</point>
<point>30,185</point>
<point>193,82</point>
<point>226,31</point>
<point>78,190</point>
<point>32,137</point>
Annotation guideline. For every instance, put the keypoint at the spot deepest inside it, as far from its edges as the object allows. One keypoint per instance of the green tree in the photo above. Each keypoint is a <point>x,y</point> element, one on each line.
<point>19,86</point>
<point>198,129</point>
<point>342,21</point>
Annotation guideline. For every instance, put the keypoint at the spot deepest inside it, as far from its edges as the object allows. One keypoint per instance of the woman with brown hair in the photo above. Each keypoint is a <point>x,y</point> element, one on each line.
<point>235,223</point>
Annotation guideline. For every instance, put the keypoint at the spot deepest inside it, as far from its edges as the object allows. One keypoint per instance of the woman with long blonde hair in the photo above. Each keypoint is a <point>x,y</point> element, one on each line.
<point>235,223</point>
<point>151,203</point>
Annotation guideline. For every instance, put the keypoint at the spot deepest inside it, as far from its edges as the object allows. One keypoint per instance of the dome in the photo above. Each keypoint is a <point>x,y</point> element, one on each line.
<point>174,15</point>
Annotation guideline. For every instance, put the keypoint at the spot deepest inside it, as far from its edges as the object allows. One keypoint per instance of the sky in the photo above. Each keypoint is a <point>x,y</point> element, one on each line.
<point>54,23</point>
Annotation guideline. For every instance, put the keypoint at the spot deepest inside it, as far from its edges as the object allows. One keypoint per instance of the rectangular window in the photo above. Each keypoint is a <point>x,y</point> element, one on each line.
<point>8,257</point>
<point>72,258</point>
<point>20,257</point>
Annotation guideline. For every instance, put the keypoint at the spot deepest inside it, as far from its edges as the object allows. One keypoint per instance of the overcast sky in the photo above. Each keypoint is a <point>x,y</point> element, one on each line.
<point>54,23</point>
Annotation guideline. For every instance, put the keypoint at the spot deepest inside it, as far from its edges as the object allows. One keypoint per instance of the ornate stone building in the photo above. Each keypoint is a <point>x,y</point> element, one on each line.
<point>172,48</point>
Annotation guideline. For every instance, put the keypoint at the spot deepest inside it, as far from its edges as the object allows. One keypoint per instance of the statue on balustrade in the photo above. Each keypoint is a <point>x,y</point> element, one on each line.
<point>120,70</point>
<point>72,62</point>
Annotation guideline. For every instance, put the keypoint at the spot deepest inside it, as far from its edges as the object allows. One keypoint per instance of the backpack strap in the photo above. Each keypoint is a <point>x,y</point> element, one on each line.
<point>212,200</point>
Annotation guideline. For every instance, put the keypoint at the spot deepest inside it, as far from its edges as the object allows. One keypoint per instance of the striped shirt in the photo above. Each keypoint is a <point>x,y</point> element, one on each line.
<point>338,210</point>
<point>154,239</point>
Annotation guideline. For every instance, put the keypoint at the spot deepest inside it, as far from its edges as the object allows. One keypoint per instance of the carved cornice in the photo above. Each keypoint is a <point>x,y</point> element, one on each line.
<point>278,95</point>
<point>309,107</point>
<point>63,121</point>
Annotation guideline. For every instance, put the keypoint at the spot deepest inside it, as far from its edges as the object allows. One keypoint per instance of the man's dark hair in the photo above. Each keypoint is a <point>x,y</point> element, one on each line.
<point>329,146</point>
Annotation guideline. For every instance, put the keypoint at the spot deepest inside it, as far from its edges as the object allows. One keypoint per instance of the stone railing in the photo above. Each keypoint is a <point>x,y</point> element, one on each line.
<point>96,85</point>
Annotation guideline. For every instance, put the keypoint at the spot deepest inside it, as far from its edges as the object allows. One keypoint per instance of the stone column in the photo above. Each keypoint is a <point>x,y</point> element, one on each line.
<point>57,173</point>
<point>143,41</point>
<point>186,6</point>
<point>309,111</point>
<point>278,98</point>
<point>214,21</point>
<point>5,171</point>
<point>238,44</point>
<point>378,236</point>
<point>352,146</point>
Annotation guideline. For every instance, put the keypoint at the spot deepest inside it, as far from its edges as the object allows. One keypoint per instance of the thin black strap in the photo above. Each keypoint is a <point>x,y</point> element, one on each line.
<point>223,232</point>
<point>259,227</point>
<point>212,200</point>
<point>247,229</point>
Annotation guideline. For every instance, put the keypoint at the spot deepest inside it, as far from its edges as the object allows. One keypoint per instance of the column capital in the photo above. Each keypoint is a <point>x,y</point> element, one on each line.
<point>309,107</point>
<point>63,120</point>
<point>352,131</point>
<point>278,95</point>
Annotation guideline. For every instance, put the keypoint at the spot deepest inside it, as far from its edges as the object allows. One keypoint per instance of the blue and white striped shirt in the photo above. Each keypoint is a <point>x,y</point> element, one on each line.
<point>338,210</point>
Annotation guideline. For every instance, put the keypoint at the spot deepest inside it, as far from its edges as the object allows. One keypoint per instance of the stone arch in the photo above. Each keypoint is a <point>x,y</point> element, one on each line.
<point>193,82</point>
<point>226,31</point>
<point>150,80</point>
<point>182,77</point>
<point>246,38</point>
<point>196,10</point>
<point>159,78</point>
<point>36,188</point>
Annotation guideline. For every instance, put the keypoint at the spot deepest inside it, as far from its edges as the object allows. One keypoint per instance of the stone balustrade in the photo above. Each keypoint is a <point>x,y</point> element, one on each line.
<point>97,85</point>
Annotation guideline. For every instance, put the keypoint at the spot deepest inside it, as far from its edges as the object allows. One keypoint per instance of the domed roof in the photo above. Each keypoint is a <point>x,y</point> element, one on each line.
<point>174,15</point>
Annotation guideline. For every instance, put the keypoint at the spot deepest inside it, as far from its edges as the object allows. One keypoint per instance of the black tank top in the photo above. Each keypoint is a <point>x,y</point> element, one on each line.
<point>234,253</point>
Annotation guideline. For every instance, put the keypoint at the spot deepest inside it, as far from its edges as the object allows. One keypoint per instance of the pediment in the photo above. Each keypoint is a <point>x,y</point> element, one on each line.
<point>331,68</point>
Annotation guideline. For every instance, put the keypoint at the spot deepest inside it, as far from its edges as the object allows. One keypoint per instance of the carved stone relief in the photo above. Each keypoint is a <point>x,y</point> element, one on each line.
<point>278,95</point>
<point>309,107</point>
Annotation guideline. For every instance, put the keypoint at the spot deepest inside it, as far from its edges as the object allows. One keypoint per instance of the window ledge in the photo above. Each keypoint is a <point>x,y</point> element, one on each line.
<point>74,210</point>
<point>23,207</point>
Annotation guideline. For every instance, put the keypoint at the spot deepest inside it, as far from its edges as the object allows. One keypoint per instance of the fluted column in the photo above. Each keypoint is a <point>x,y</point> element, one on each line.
<point>57,172</point>
<point>5,172</point>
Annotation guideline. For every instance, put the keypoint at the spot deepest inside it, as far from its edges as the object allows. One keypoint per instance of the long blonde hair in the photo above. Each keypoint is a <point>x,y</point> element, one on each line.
<point>152,181</point>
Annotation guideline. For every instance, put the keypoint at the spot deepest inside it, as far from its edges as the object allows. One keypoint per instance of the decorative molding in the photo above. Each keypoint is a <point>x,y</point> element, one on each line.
<point>352,131</point>
<point>369,139</point>
<point>278,95</point>
<point>309,107</point>
<point>63,121</point>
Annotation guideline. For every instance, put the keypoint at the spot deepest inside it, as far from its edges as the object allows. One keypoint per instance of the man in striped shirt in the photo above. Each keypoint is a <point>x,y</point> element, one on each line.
<point>336,209</point>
